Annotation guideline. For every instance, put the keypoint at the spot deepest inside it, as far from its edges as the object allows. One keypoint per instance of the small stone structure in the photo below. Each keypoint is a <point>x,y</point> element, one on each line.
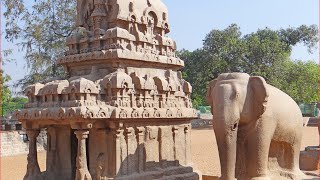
<point>310,157</point>
<point>125,111</point>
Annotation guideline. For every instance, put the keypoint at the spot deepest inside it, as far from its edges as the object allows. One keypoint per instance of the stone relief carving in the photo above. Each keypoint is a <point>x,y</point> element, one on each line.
<point>145,37</point>
<point>100,166</point>
<point>129,93</point>
<point>124,80</point>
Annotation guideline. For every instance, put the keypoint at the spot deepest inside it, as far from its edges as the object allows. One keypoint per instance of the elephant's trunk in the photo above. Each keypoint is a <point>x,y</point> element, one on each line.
<point>227,144</point>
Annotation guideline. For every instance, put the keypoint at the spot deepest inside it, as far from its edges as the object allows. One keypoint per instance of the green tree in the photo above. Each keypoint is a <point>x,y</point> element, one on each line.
<point>40,28</point>
<point>6,95</point>
<point>8,102</point>
<point>14,104</point>
<point>264,53</point>
<point>195,62</point>
<point>299,79</point>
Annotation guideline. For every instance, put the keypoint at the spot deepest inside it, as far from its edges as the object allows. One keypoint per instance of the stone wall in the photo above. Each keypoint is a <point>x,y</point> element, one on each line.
<point>13,143</point>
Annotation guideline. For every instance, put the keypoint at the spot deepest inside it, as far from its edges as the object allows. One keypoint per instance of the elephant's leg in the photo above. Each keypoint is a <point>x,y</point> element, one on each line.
<point>258,151</point>
<point>295,152</point>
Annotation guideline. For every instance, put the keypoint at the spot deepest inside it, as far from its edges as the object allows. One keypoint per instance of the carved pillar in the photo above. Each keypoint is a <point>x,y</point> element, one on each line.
<point>175,132</point>
<point>116,152</point>
<point>33,170</point>
<point>152,148</point>
<point>141,137</point>
<point>123,154</point>
<point>179,145</point>
<point>110,154</point>
<point>166,147</point>
<point>118,135</point>
<point>82,167</point>
<point>188,144</point>
<point>132,146</point>
<point>51,151</point>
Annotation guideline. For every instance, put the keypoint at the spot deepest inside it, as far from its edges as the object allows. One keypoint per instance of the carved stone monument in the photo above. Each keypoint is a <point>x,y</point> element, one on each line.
<point>125,111</point>
<point>258,128</point>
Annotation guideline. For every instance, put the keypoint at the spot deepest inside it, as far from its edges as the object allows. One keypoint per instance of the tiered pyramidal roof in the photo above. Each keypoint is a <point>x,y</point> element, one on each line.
<point>121,65</point>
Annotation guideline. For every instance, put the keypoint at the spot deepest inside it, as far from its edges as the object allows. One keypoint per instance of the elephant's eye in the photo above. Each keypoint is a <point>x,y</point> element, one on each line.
<point>235,126</point>
<point>234,95</point>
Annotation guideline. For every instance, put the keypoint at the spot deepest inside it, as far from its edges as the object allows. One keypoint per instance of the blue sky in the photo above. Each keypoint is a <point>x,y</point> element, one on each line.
<point>191,20</point>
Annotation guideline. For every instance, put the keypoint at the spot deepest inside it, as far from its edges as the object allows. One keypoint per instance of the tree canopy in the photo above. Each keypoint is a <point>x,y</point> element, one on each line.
<point>299,79</point>
<point>5,90</point>
<point>8,102</point>
<point>40,30</point>
<point>263,53</point>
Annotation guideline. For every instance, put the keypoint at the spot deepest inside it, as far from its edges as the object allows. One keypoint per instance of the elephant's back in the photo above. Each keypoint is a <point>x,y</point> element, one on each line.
<point>282,101</point>
<point>285,111</point>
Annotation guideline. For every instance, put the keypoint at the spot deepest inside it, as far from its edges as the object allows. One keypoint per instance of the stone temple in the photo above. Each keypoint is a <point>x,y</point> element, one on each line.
<point>124,112</point>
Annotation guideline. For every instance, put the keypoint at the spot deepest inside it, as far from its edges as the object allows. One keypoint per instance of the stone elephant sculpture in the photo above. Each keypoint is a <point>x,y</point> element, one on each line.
<point>258,128</point>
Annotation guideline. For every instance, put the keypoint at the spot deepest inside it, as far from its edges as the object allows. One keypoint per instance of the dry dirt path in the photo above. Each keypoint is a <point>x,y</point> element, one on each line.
<point>204,154</point>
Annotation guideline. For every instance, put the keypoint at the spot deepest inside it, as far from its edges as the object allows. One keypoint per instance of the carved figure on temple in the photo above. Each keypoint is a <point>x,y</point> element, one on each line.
<point>124,84</point>
<point>151,20</point>
<point>84,8</point>
<point>100,166</point>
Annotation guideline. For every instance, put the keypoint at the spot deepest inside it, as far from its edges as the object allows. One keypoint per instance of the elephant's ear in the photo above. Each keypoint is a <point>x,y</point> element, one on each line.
<point>209,92</point>
<point>259,95</point>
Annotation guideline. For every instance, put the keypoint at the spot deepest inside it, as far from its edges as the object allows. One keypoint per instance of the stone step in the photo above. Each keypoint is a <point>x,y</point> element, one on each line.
<point>313,121</point>
<point>309,159</point>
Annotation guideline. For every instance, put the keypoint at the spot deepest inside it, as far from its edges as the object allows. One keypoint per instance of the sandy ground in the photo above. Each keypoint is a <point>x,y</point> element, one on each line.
<point>15,167</point>
<point>204,154</point>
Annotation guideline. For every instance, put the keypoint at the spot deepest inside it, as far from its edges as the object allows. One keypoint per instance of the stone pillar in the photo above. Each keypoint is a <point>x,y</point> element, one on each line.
<point>33,169</point>
<point>141,136</point>
<point>179,147</point>
<point>188,144</point>
<point>152,148</point>
<point>110,170</point>
<point>118,134</point>
<point>51,162</point>
<point>82,172</point>
<point>166,147</point>
<point>115,138</point>
<point>132,156</point>
<point>51,150</point>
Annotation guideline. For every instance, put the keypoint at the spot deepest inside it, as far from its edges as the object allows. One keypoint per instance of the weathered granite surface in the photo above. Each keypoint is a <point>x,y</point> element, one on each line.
<point>258,128</point>
<point>124,112</point>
